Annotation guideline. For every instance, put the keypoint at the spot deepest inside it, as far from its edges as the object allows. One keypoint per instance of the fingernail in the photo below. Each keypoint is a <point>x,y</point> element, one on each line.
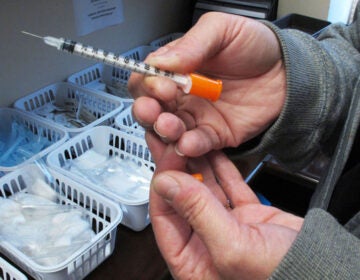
<point>178,152</point>
<point>156,131</point>
<point>162,137</point>
<point>165,56</point>
<point>166,186</point>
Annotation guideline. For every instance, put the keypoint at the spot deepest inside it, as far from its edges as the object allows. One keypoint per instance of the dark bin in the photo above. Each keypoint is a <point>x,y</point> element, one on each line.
<point>306,24</point>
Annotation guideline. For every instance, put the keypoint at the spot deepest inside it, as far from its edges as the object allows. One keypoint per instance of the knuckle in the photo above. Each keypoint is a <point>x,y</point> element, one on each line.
<point>194,206</point>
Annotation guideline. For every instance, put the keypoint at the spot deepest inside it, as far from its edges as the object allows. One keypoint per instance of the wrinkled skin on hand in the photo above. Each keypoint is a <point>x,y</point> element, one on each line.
<point>245,54</point>
<point>198,237</point>
<point>201,239</point>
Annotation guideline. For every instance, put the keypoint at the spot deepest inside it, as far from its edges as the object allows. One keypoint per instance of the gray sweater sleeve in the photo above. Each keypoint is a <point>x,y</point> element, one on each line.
<point>321,76</point>
<point>322,250</point>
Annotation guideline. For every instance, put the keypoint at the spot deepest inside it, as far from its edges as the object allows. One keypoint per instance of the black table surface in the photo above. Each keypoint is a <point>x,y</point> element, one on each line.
<point>136,256</point>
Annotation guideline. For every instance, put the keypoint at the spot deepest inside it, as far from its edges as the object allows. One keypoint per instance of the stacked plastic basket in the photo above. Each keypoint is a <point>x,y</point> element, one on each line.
<point>162,41</point>
<point>9,272</point>
<point>99,108</point>
<point>110,142</point>
<point>89,114</point>
<point>36,127</point>
<point>104,216</point>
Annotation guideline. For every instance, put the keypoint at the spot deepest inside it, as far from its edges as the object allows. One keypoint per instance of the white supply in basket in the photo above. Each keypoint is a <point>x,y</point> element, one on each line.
<point>45,137</point>
<point>121,176</point>
<point>72,115</point>
<point>42,229</point>
<point>20,144</point>
<point>71,206</point>
<point>109,143</point>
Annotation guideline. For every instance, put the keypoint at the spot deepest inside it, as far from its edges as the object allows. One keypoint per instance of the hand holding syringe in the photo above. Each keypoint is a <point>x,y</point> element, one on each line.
<point>191,83</point>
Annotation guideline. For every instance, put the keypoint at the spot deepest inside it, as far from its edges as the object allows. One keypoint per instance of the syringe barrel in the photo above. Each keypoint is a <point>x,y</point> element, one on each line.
<point>194,84</point>
<point>123,62</point>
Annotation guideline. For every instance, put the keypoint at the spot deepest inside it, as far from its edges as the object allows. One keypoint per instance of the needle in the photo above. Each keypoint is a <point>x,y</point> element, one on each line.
<point>31,34</point>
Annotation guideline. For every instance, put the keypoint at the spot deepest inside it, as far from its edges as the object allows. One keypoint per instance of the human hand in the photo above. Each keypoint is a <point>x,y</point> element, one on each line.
<point>200,238</point>
<point>245,54</point>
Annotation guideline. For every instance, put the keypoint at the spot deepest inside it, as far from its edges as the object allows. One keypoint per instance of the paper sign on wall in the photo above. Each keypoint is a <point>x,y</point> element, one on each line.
<point>92,15</point>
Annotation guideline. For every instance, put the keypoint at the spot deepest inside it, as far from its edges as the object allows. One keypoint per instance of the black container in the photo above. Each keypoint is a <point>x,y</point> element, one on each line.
<point>287,191</point>
<point>306,24</point>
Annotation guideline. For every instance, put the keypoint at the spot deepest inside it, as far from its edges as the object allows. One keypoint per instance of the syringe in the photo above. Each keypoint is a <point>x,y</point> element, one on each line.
<point>194,84</point>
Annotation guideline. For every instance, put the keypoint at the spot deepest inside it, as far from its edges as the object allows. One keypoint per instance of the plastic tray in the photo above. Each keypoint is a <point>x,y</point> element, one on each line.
<point>306,24</point>
<point>55,134</point>
<point>108,141</point>
<point>126,123</point>
<point>104,214</point>
<point>162,41</point>
<point>9,272</point>
<point>103,107</point>
<point>110,79</point>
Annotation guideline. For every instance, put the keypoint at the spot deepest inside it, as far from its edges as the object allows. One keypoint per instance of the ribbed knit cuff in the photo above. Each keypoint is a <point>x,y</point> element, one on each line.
<point>322,250</point>
<point>299,126</point>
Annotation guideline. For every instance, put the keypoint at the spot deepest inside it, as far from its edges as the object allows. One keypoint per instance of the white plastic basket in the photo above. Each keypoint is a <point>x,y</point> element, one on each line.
<point>162,41</point>
<point>108,141</point>
<point>104,214</point>
<point>53,133</point>
<point>9,272</point>
<point>126,122</point>
<point>110,79</point>
<point>103,107</point>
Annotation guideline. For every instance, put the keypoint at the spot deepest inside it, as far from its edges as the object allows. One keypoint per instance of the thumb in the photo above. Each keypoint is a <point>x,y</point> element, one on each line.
<point>189,52</point>
<point>195,203</point>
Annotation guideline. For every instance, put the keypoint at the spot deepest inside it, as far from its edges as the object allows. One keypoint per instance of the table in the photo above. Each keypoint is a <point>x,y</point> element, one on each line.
<point>135,256</point>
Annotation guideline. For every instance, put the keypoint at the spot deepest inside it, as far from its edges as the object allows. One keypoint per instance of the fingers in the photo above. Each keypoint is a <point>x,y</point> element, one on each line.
<point>146,110</point>
<point>198,141</point>
<point>188,54</point>
<point>160,88</point>
<point>196,47</point>
<point>196,204</point>
<point>202,165</point>
<point>196,127</point>
<point>162,214</point>
<point>166,223</point>
<point>164,155</point>
<point>231,181</point>
<point>156,146</point>
<point>188,197</point>
<point>169,127</point>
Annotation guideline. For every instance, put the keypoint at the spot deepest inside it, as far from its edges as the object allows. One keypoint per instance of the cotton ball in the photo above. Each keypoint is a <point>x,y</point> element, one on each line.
<point>75,230</point>
<point>64,217</point>
<point>10,212</point>
<point>89,159</point>
<point>42,189</point>
<point>63,241</point>
<point>29,199</point>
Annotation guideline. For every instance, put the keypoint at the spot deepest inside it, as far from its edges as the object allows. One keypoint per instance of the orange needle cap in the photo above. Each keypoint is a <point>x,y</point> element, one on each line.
<point>198,176</point>
<point>204,87</point>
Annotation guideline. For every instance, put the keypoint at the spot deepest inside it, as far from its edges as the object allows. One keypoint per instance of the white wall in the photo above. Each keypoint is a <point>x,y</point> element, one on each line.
<point>340,10</point>
<point>313,8</point>
<point>27,64</point>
